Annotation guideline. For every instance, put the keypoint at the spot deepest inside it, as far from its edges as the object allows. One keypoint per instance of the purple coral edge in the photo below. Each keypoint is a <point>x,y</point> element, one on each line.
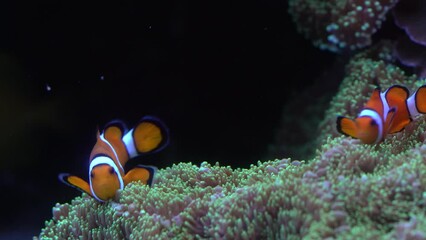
<point>409,16</point>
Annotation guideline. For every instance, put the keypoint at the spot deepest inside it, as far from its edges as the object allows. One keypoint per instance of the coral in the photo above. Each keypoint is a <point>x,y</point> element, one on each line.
<point>409,15</point>
<point>351,189</point>
<point>411,54</point>
<point>348,190</point>
<point>411,48</point>
<point>339,24</point>
<point>345,25</point>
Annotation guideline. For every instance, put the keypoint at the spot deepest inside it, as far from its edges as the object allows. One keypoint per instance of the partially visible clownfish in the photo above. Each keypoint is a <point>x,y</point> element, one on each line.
<point>113,148</point>
<point>385,113</point>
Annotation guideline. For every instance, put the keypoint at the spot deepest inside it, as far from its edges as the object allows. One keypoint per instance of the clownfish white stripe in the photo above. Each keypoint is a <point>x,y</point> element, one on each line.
<point>385,105</point>
<point>113,150</point>
<point>130,144</point>
<point>411,104</point>
<point>376,117</point>
<point>104,160</point>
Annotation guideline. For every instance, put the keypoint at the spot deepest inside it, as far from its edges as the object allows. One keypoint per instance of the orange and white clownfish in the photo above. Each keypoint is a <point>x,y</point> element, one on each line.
<point>113,148</point>
<point>384,113</point>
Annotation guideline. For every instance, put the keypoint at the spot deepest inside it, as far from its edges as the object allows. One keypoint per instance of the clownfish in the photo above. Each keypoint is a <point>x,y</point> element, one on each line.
<point>384,113</point>
<point>113,148</point>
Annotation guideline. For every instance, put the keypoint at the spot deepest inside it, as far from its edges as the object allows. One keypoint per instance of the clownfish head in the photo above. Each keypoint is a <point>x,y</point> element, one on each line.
<point>105,178</point>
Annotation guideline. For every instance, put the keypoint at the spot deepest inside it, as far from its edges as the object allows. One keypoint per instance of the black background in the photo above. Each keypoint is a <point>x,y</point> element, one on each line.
<point>218,73</point>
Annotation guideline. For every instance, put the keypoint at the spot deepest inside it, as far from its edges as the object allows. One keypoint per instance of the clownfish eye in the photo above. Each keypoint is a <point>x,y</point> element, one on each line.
<point>92,175</point>
<point>373,122</point>
<point>111,170</point>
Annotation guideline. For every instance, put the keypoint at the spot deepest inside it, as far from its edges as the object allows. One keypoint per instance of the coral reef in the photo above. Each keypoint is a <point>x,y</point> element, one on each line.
<point>348,190</point>
<point>339,24</point>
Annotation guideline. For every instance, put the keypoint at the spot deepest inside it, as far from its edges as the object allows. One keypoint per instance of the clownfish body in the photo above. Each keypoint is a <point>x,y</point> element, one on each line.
<point>384,113</point>
<point>113,148</point>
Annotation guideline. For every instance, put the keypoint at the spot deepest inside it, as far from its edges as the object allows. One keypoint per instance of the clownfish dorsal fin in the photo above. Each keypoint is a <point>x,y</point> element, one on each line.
<point>396,93</point>
<point>113,134</point>
<point>142,173</point>
<point>114,130</point>
<point>375,101</point>
<point>75,182</point>
<point>396,97</point>
<point>150,135</point>
<point>421,99</point>
<point>346,126</point>
<point>98,133</point>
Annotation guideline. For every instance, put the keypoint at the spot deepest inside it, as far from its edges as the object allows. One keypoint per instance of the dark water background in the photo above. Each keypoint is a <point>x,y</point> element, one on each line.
<point>217,72</point>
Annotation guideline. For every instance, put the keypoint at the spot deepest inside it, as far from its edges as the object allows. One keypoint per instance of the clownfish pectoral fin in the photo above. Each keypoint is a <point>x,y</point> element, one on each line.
<point>75,182</point>
<point>346,126</point>
<point>389,127</point>
<point>115,130</point>
<point>150,135</point>
<point>141,173</point>
<point>421,99</point>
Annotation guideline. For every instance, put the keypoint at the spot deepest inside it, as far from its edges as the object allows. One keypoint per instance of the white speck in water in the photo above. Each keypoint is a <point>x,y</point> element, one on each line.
<point>149,27</point>
<point>48,87</point>
<point>102,77</point>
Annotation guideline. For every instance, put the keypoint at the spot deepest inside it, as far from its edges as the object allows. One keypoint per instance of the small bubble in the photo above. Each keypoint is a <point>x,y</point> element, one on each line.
<point>102,77</point>
<point>48,87</point>
<point>149,27</point>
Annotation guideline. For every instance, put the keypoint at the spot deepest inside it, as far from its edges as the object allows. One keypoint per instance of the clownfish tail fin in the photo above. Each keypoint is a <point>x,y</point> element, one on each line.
<point>75,182</point>
<point>143,173</point>
<point>115,129</point>
<point>150,135</point>
<point>346,126</point>
<point>421,99</point>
